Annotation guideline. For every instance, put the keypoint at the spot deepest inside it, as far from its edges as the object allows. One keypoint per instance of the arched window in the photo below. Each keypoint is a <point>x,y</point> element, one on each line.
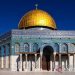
<point>26,47</point>
<point>65,47</point>
<point>56,47</point>
<point>17,47</point>
<point>35,47</point>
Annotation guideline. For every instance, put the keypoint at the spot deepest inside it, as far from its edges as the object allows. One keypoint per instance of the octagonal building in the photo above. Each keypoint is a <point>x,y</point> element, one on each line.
<point>37,45</point>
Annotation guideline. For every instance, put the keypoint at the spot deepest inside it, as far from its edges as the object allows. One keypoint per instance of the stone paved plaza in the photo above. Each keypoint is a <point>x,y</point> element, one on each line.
<point>36,73</point>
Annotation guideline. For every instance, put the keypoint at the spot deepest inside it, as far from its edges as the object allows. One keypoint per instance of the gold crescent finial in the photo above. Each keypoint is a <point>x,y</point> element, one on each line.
<point>36,5</point>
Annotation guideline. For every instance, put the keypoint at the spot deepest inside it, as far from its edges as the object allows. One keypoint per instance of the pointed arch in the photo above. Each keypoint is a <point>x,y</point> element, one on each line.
<point>64,48</point>
<point>35,47</point>
<point>26,47</point>
<point>17,47</point>
<point>56,45</point>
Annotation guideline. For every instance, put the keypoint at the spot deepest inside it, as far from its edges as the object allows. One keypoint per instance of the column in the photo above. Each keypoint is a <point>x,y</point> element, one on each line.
<point>74,62</point>
<point>26,65</point>
<point>7,56</point>
<point>40,61</point>
<point>50,65</point>
<point>4,54</point>
<point>54,60</point>
<point>2,62</point>
<point>20,63</point>
<point>60,60</point>
<point>2,65</point>
<point>8,52</point>
<point>69,62</point>
<point>35,61</point>
<point>60,50</point>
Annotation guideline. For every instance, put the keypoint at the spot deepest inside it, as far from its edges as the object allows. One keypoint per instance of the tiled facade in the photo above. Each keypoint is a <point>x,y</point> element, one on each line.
<point>24,50</point>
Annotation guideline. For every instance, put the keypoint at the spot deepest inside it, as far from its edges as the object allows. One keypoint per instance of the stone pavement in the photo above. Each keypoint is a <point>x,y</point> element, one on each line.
<point>36,73</point>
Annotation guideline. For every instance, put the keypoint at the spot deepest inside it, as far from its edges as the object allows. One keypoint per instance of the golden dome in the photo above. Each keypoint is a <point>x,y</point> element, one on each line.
<point>37,18</point>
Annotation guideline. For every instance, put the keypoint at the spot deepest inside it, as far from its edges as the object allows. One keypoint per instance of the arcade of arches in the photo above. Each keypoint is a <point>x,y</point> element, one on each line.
<point>46,60</point>
<point>42,60</point>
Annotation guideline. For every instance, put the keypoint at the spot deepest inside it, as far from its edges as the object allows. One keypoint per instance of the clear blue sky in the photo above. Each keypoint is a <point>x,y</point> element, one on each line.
<point>11,11</point>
